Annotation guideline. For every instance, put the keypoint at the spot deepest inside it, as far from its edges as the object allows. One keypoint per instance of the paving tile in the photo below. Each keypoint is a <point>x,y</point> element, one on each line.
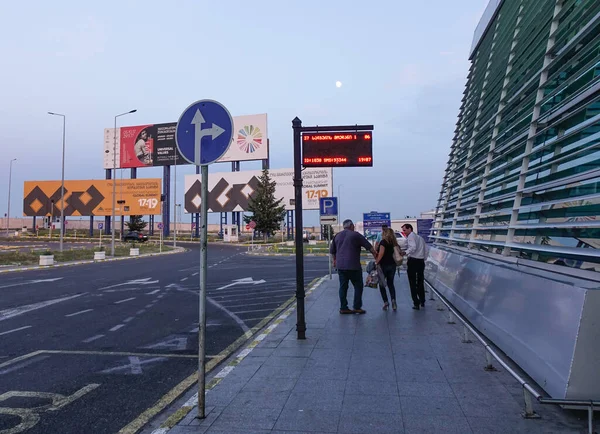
<point>298,351</point>
<point>372,403</point>
<point>430,406</point>
<point>495,425</point>
<point>420,374</point>
<point>308,420</point>
<point>488,391</point>
<point>261,352</point>
<point>442,424</point>
<point>368,423</point>
<point>365,372</point>
<point>478,407</point>
<point>272,384</point>
<point>305,385</point>
<point>371,387</point>
<point>330,401</point>
<point>262,399</point>
<point>246,418</point>
<point>325,372</point>
<point>417,389</point>
<point>276,360</point>
<point>183,429</point>
<point>284,371</point>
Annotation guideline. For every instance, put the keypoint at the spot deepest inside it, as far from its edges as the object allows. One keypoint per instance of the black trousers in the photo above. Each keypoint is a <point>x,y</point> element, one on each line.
<point>416,279</point>
<point>388,271</point>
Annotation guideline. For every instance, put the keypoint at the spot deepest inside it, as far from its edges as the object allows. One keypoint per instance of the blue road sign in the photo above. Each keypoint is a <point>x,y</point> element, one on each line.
<point>204,132</point>
<point>160,226</point>
<point>100,225</point>
<point>373,221</point>
<point>328,206</point>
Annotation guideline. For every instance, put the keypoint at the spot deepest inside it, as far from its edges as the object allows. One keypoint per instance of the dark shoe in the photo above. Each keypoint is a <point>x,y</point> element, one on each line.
<point>416,307</point>
<point>423,304</point>
<point>394,306</point>
<point>346,311</point>
<point>360,311</point>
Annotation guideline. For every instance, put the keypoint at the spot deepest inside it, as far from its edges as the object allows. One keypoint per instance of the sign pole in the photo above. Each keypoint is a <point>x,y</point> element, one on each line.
<point>160,242</point>
<point>301,320</point>
<point>329,229</point>
<point>202,298</point>
<point>100,245</point>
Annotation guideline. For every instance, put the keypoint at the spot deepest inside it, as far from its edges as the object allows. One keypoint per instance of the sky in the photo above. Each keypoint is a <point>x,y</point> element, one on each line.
<point>402,63</point>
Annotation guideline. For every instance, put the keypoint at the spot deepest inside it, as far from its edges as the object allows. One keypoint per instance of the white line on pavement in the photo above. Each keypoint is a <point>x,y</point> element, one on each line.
<point>24,364</point>
<point>195,274</point>
<point>15,330</point>
<point>258,310</point>
<point>128,319</point>
<point>141,311</point>
<point>117,327</point>
<point>9,313</point>
<point>148,306</point>
<point>93,338</point>
<point>236,318</point>
<point>79,313</point>
<point>123,301</point>
<point>153,292</point>
<point>184,279</point>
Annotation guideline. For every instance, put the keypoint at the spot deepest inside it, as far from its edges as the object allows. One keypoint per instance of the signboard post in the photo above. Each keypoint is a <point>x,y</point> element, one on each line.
<point>251,226</point>
<point>328,210</point>
<point>351,148</point>
<point>203,135</point>
<point>373,221</point>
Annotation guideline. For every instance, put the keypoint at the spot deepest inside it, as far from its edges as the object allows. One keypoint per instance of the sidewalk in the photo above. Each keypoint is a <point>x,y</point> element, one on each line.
<point>383,372</point>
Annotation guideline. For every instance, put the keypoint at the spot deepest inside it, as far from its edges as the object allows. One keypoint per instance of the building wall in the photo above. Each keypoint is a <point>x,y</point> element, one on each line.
<point>523,175</point>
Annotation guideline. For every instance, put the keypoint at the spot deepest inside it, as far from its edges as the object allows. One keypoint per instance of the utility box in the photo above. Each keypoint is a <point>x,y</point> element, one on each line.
<point>230,234</point>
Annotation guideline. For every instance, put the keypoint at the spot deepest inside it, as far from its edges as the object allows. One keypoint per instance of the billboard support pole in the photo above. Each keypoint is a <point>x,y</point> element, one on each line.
<point>167,202</point>
<point>202,298</point>
<point>301,321</point>
<point>107,218</point>
<point>175,200</point>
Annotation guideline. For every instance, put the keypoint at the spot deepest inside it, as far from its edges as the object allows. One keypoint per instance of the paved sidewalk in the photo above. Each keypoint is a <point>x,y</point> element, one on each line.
<point>383,372</point>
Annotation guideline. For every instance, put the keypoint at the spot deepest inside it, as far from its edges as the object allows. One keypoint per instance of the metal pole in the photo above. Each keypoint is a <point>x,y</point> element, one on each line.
<point>62,187</point>
<point>51,218</point>
<point>114,189</point>
<point>301,321</point>
<point>328,247</point>
<point>202,298</point>
<point>175,200</point>
<point>9,185</point>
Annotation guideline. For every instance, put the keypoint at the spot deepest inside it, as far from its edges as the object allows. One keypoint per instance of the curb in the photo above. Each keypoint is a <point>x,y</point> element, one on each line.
<point>89,261</point>
<point>178,415</point>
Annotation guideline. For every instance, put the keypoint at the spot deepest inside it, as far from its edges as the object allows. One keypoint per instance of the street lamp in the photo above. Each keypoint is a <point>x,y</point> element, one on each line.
<point>62,182</point>
<point>114,193</point>
<point>9,182</point>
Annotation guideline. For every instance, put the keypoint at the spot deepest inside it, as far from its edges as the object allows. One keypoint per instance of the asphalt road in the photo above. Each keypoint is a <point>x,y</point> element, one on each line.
<point>88,348</point>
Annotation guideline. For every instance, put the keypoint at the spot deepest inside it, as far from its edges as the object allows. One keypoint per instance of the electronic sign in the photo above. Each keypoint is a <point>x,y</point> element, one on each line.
<point>343,149</point>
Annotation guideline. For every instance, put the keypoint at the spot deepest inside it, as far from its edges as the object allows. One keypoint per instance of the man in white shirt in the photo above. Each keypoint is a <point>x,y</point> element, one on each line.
<point>417,254</point>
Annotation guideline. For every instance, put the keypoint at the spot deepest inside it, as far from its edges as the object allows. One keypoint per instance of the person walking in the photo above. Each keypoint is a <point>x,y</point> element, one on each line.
<point>345,249</point>
<point>417,254</point>
<point>385,260</point>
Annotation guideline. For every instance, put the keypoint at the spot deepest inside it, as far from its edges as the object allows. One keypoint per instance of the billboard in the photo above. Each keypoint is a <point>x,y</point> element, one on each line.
<point>92,197</point>
<point>154,144</point>
<point>231,191</point>
<point>424,229</point>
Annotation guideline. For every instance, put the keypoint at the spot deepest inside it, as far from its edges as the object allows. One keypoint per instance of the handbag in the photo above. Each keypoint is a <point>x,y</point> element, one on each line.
<point>398,258</point>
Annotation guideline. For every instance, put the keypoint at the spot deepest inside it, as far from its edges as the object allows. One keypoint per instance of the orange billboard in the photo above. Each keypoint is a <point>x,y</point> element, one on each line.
<point>93,197</point>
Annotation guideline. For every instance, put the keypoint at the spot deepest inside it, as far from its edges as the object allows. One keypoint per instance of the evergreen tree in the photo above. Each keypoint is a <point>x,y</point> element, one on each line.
<point>267,211</point>
<point>136,224</point>
<point>328,229</point>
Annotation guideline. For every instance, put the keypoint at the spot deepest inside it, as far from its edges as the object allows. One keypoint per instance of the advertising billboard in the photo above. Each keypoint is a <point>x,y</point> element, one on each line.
<point>92,197</point>
<point>154,145</point>
<point>231,191</point>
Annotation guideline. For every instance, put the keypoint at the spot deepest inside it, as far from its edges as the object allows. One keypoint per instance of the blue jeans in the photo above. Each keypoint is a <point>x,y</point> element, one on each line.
<point>354,276</point>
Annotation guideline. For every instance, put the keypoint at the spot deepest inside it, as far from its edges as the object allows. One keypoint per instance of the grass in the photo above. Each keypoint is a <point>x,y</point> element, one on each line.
<point>31,257</point>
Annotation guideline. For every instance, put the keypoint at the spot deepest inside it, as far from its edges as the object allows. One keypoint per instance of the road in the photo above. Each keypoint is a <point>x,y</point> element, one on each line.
<point>96,345</point>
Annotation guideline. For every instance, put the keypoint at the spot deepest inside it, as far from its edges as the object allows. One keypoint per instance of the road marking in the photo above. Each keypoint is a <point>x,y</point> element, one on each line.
<point>148,306</point>
<point>236,318</point>
<point>141,311</point>
<point>126,320</point>
<point>252,311</point>
<point>153,292</point>
<point>135,365</point>
<point>92,339</point>
<point>117,327</point>
<point>184,279</point>
<point>145,281</point>
<point>23,365</point>
<point>123,301</point>
<point>195,274</point>
<point>79,313</point>
<point>174,344</point>
<point>31,282</point>
<point>111,353</point>
<point>15,330</point>
<point>10,313</point>
<point>244,281</point>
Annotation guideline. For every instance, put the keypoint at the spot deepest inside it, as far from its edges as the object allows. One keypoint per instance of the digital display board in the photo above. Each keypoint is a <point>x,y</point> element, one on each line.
<point>337,149</point>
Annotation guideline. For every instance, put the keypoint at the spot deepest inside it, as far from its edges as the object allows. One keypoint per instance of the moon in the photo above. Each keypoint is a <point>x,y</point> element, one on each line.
<point>338,84</point>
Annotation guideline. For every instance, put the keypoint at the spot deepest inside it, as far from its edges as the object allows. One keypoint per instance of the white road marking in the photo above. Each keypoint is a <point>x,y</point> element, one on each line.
<point>145,281</point>
<point>79,313</point>
<point>184,279</point>
<point>174,344</point>
<point>24,364</point>
<point>153,292</point>
<point>31,282</point>
<point>258,310</point>
<point>141,311</point>
<point>148,306</point>
<point>117,327</point>
<point>123,301</point>
<point>92,339</point>
<point>236,318</point>
<point>195,274</point>
<point>128,319</point>
<point>135,365</point>
<point>15,330</point>
<point>10,313</point>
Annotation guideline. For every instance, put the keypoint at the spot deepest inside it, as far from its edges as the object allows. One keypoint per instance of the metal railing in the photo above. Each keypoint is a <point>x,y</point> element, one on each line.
<point>529,391</point>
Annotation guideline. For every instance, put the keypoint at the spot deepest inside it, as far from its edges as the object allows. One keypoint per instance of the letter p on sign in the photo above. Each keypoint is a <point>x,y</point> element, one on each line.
<point>328,206</point>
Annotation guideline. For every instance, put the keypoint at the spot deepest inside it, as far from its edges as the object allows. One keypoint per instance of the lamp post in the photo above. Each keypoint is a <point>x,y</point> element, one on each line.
<point>114,192</point>
<point>339,204</point>
<point>62,182</point>
<point>9,182</point>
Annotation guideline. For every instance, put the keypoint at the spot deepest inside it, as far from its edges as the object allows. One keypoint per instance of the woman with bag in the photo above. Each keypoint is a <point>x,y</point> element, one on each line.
<point>388,249</point>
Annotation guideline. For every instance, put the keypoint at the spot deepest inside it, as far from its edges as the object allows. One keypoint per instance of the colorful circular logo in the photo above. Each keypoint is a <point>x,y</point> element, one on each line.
<point>249,139</point>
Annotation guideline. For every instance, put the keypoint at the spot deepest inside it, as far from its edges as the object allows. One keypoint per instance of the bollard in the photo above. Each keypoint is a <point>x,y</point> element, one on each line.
<point>488,362</point>
<point>591,419</point>
<point>465,339</point>
<point>450,317</point>
<point>529,411</point>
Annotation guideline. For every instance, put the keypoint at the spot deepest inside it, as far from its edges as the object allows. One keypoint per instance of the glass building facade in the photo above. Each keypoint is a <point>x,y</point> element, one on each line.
<point>523,175</point>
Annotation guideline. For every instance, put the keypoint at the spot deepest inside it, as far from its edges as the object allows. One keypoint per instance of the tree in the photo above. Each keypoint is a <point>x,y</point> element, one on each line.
<point>136,224</point>
<point>267,211</point>
<point>328,232</point>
